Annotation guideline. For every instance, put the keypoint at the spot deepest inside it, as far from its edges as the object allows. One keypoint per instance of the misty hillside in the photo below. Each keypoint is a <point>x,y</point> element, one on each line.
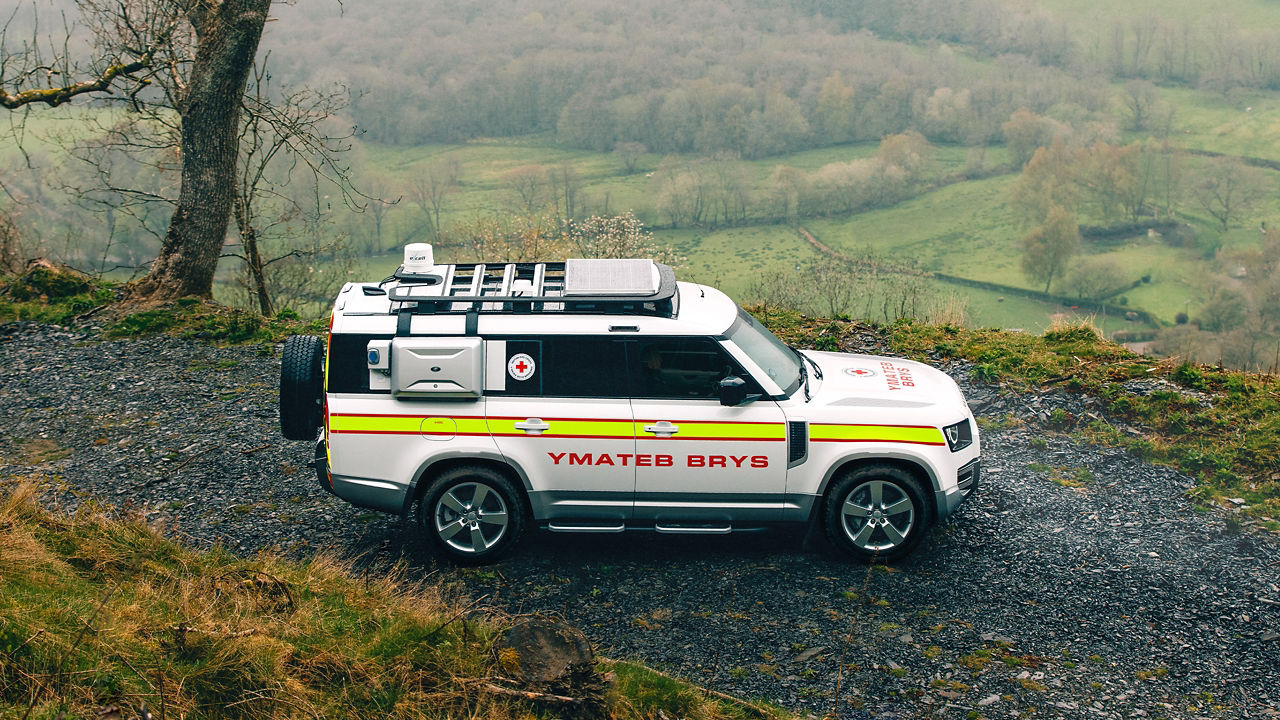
<point>753,77</point>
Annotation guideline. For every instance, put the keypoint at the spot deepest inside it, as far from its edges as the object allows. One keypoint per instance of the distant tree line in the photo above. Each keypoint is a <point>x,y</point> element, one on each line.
<point>749,77</point>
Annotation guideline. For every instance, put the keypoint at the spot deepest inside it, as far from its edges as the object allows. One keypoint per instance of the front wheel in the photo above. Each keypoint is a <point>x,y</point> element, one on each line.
<point>472,514</point>
<point>876,513</point>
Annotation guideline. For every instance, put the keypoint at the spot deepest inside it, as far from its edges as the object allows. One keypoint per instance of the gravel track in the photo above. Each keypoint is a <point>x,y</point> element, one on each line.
<point>1112,599</point>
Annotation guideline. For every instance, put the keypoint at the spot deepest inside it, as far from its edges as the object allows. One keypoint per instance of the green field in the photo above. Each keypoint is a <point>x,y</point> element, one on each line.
<point>1255,13</point>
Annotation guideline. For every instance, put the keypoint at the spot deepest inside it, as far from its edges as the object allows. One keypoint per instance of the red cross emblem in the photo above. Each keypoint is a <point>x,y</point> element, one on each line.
<point>520,366</point>
<point>860,372</point>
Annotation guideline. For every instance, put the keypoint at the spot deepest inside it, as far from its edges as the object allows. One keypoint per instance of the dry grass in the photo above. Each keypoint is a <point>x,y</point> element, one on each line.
<point>97,612</point>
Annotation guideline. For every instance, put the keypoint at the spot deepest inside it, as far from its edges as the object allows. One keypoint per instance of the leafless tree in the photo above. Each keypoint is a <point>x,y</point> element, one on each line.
<point>629,153</point>
<point>132,40</point>
<point>527,185</point>
<point>282,138</point>
<point>836,285</point>
<point>430,191</point>
<point>10,245</point>
<point>566,185</point>
<point>1228,188</point>
<point>191,56</point>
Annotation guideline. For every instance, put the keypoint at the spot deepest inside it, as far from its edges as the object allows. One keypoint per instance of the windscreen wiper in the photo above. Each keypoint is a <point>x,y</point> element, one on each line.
<point>804,372</point>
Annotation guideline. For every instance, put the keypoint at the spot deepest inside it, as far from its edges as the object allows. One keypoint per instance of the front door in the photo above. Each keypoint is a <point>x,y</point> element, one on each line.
<point>697,461</point>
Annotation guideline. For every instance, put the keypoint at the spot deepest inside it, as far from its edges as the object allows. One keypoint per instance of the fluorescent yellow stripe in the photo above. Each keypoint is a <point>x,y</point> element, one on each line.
<point>570,428</point>
<point>472,426</point>
<point>868,433</point>
<point>406,425</point>
<point>712,431</point>
<point>346,423</point>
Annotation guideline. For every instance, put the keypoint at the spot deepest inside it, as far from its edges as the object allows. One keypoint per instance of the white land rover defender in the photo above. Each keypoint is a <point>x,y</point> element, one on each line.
<point>602,396</point>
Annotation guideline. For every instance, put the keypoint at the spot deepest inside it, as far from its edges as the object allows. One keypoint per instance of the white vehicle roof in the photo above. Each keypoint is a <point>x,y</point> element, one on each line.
<point>577,296</point>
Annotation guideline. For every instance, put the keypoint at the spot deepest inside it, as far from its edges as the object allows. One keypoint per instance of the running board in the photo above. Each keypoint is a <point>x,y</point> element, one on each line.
<point>553,527</point>
<point>694,529</point>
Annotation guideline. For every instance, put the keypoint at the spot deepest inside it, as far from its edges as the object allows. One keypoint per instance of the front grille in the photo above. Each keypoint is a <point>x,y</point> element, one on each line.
<point>797,442</point>
<point>967,476</point>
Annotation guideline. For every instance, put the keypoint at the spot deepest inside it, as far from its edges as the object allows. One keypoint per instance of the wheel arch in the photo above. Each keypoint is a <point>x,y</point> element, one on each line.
<point>442,462</point>
<point>912,464</point>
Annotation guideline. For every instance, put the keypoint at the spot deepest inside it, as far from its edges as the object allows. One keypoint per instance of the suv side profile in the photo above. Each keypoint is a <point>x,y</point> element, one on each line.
<point>603,396</point>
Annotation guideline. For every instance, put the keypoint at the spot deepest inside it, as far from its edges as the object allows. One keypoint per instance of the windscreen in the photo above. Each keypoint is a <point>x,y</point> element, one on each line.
<point>767,351</point>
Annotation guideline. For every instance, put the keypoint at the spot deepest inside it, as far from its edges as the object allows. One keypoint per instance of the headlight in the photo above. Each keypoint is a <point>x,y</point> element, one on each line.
<point>959,436</point>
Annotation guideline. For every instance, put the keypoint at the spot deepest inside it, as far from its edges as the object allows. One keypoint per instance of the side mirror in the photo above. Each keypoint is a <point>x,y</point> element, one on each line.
<point>733,392</point>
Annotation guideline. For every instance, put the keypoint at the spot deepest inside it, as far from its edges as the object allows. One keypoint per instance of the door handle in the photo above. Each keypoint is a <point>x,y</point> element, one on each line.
<point>533,426</point>
<point>662,429</point>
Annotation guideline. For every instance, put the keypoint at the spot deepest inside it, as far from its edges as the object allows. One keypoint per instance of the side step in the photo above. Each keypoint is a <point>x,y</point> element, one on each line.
<point>694,529</point>
<point>570,528</point>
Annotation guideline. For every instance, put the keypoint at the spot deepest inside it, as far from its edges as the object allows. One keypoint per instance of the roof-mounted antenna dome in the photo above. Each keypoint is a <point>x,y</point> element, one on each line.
<point>419,264</point>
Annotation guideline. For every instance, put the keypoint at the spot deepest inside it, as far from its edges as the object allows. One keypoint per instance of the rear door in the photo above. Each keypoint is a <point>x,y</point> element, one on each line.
<point>697,461</point>
<point>565,419</point>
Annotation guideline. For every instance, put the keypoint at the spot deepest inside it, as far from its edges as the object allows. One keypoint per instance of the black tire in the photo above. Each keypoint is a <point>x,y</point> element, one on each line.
<point>877,513</point>
<point>444,514</point>
<point>302,387</point>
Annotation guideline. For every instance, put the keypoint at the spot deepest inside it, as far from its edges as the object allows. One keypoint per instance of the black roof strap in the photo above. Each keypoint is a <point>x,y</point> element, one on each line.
<point>473,320</point>
<point>403,318</point>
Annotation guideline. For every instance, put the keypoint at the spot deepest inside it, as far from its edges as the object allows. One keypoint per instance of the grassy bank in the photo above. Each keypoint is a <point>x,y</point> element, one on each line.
<point>97,613</point>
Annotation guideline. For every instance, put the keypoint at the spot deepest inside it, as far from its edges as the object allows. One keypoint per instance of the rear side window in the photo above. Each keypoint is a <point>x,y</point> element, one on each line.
<point>349,364</point>
<point>565,366</point>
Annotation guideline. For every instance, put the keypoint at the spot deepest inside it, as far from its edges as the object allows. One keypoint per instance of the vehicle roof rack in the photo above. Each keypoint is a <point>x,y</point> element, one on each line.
<point>593,286</point>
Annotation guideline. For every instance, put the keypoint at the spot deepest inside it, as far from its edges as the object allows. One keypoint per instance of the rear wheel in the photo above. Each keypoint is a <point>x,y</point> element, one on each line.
<point>302,387</point>
<point>877,512</point>
<point>472,514</point>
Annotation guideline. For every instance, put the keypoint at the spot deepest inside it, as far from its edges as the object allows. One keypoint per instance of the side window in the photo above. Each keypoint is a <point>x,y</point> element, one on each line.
<point>682,368</point>
<point>348,366</point>
<point>565,366</point>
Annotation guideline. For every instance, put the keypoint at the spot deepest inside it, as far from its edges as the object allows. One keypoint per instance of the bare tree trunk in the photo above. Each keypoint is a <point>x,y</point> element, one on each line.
<point>227,39</point>
<point>252,257</point>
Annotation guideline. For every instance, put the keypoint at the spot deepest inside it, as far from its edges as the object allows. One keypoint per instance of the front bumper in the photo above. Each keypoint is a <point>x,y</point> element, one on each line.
<point>967,479</point>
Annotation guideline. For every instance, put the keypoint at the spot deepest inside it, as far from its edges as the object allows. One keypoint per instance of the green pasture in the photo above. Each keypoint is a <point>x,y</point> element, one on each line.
<point>1255,13</point>
<point>965,229</point>
<point>734,259</point>
<point>1245,122</point>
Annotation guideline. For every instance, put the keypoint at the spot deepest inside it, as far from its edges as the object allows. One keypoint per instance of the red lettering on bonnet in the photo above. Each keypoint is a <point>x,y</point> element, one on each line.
<point>896,377</point>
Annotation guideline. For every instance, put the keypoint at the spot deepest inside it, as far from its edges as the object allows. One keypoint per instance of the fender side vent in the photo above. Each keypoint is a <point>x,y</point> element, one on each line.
<point>797,442</point>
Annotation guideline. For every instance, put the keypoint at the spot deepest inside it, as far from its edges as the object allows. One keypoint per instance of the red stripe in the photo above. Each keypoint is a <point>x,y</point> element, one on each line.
<point>402,432</point>
<point>415,416</point>
<point>589,419</point>
<point>873,440</point>
<point>913,427</point>
<point>563,419</point>
<point>710,421</point>
<point>571,437</point>
<point>562,435</point>
<point>711,439</point>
